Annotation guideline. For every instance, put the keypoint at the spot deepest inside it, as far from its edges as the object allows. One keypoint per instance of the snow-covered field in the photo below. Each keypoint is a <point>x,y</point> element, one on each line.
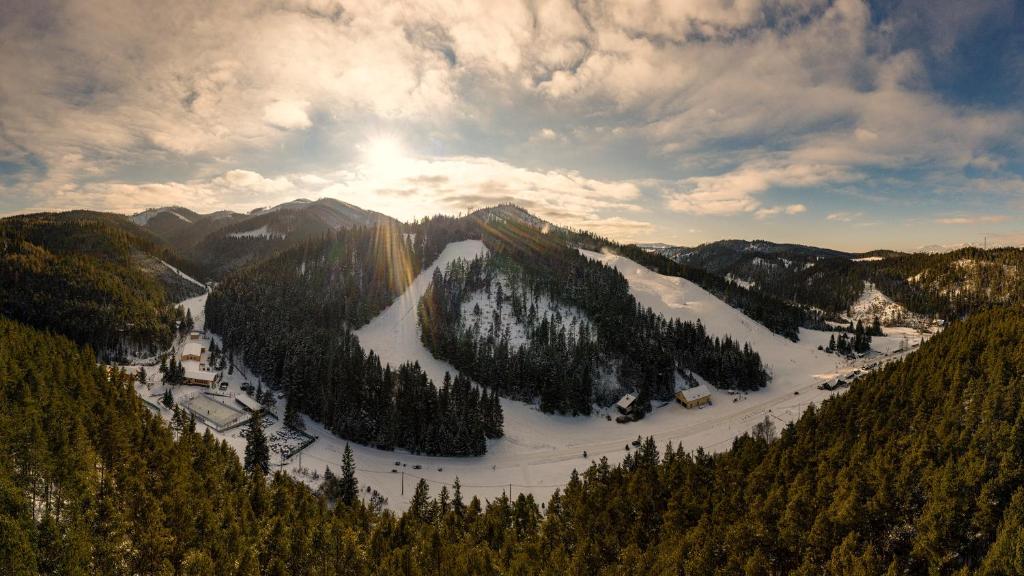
<point>539,451</point>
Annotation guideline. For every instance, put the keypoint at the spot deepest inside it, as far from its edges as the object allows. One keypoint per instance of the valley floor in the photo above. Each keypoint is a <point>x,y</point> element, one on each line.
<point>539,451</point>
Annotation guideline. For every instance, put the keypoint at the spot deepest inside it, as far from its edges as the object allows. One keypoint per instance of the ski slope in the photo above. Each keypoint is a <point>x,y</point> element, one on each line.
<point>540,451</point>
<point>394,334</point>
<point>787,361</point>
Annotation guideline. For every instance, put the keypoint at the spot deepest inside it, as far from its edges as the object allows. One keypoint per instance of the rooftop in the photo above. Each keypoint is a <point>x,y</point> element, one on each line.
<point>696,393</point>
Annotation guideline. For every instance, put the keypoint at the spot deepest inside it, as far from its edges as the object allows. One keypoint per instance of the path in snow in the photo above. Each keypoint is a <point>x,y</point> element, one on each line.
<point>185,276</point>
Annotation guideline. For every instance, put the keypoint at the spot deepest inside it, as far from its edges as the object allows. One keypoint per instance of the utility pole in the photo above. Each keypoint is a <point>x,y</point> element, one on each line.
<point>403,482</point>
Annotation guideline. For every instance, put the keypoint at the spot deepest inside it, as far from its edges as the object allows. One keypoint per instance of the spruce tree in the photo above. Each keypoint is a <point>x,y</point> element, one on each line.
<point>348,488</point>
<point>457,505</point>
<point>257,453</point>
<point>170,373</point>
<point>420,504</point>
<point>876,327</point>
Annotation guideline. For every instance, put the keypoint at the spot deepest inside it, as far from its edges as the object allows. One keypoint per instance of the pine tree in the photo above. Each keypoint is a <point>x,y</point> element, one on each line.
<point>348,489</point>
<point>257,453</point>
<point>420,504</point>
<point>168,398</point>
<point>329,487</point>
<point>457,505</point>
<point>292,417</point>
<point>171,373</point>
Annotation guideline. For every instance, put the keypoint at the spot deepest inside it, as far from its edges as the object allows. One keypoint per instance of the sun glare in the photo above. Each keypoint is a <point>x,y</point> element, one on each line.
<point>385,153</point>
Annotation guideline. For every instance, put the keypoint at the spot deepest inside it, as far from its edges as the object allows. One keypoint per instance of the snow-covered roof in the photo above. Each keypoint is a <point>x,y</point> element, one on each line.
<point>626,401</point>
<point>696,393</point>
<point>192,349</point>
<point>202,375</point>
<point>248,402</point>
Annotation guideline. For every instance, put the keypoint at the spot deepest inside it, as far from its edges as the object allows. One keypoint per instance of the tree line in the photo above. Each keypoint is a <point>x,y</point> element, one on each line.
<point>93,483</point>
<point>560,365</point>
<point>291,319</point>
<point>946,285</point>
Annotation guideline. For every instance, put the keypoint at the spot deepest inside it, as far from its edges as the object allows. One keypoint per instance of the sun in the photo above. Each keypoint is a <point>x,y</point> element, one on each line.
<point>385,153</point>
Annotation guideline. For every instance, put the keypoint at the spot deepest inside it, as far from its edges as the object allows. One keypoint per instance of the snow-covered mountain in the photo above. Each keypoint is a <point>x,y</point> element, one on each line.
<point>183,214</point>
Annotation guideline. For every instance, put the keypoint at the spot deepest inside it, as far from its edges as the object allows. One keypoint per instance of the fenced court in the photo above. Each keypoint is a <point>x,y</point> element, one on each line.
<point>215,414</point>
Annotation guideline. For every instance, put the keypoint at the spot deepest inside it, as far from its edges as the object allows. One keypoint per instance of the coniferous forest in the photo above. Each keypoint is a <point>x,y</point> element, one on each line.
<point>94,277</point>
<point>291,319</point>
<point>775,313</point>
<point>944,285</point>
<point>557,364</point>
<point>92,483</point>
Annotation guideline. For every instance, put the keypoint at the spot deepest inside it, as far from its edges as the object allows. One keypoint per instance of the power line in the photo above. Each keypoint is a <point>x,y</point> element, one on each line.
<point>443,483</point>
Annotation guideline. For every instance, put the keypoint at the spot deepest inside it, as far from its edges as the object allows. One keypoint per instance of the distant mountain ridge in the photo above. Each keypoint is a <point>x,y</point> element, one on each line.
<point>225,240</point>
<point>946,284</point>
<point>782,286</point>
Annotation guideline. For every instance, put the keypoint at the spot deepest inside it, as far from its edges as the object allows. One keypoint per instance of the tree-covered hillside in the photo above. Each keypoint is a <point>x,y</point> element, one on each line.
<point>92,483</point>
<point>221,242</point>
<point>943,285</point>
<point>95,277</point>
<point>291,319</point>
<point>775,313</point>
<point>557,365</point>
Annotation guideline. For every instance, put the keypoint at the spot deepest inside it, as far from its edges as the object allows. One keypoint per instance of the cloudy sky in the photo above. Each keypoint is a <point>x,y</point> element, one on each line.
<point>846,123</point>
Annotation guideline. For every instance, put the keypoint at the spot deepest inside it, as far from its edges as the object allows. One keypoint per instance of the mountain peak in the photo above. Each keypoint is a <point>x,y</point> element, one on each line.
<point>510,213</point>
<point>143,218</point>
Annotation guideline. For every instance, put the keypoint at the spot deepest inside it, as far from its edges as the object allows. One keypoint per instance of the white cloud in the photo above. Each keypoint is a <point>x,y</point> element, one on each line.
<point>843,216</point>
<point>289,115</point>
<point>762,213</point>
<point>734,99</point>
<point>419,185</point>
<point>738,190</point>
<point>986,219</point>
<point>546,134</point>
<point>410,189</point>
